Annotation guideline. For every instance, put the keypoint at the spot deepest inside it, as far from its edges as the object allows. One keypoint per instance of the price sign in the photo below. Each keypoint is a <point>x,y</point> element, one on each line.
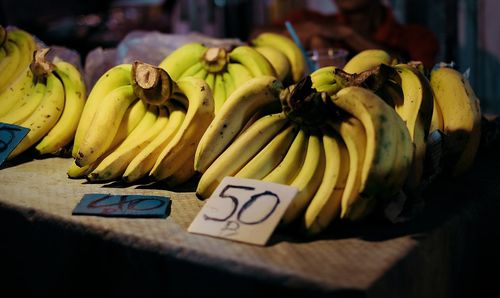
<point>243,210</point>
<point>10,136</point>
<point>122,205</point>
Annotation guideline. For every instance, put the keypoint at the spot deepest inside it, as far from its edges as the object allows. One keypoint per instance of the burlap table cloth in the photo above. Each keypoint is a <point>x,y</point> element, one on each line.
<point>46,251</point>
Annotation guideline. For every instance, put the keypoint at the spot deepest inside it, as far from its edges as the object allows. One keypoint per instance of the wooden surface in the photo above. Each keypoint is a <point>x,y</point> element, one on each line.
<point>47,251</point>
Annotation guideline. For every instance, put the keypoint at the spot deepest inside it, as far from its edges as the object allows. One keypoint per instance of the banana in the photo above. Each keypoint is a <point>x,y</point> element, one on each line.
<point>64,130</point>
<point>288,168</point>
<point>278,60</point>
<point>367,59</point>
<point>133,115</point>
<point>200,113</point>
<point>25,105</point>
<point>437,121</point>
<point>182,58</point>
<point>307,180</point>
<point>239,73</point>
<point>288,47</point>
<point>253,60</point>
<point>183,174</point>
<point>242,104</point>
<point>214,59</point>
<point>44,117</point>
<point>270,156</point>
<point>105,124</point>
<point>219,92</point>
<point>210,80</point>
<point>324,80</point>
<point>76,172</point>
<point>416,112</point>
<point>354,136</point>
<point>119,75</point>
<point>201,74</point>
<point>461,116</point>
<point>114,165</point>
<point>143,162</point>
<point>325,205</point>
<point>16,91</point>
<point>9,65</point>
<point>228,83</point>
<point>244,148</point>
<point>192,70</point>
<point>381,138</point>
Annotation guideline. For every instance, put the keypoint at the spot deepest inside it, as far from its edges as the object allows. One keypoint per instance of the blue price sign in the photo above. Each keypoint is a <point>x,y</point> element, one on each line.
<point>122,206</point>
<point>10,136</point>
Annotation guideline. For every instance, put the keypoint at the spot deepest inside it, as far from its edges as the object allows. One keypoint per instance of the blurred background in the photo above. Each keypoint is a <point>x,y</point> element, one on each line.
<point>468,31</point>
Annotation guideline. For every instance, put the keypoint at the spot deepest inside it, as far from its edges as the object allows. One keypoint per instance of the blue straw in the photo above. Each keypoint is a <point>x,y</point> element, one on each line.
<point>310,64</point>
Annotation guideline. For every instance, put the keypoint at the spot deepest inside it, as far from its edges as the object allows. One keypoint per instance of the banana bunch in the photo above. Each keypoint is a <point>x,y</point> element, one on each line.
<point>285,56</point>
<point>342,151</point>
<point>368,59</point>
<point>223,70</point>
<point>139,123</point>
<point>49,103</point>
<point>458,116</point>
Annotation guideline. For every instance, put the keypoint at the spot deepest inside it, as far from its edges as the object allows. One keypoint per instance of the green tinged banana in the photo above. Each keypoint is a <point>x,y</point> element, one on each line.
<point>182,58</point>
<point>252,60</point>
<point>367,59</point>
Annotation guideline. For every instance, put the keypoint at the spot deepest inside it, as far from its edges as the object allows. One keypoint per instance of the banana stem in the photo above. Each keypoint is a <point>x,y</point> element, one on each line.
<point>40,65</point>
<point>215,59</point>
<point>152,84</point>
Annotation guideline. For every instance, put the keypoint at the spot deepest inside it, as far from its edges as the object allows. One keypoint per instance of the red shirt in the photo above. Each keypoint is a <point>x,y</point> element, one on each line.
<point>411,42</point>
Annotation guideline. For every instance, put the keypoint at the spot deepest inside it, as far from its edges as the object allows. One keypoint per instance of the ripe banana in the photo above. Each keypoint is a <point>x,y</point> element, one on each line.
<point>461,116</point>
<point>74,92</point>
<point>143,162</point>
<point>244,102</point>
<point>367,59</point>
<point>325,205</point>
<point>105,124</point>
<point>278,60</point>
<point>253,60</point>
<point>133,115</point>
<point>270,156</point>
<point>200,113</point>
<point>45,116</point>
<point>25,105</point>
<point>241,150</point>
<point>16,91</point>
<point>113,165</point>
<point>229,84</point>
<point>288,47</point>
<point>181,59</point>
<point>288,168</point>
<point>307,180</point>
<point>219,92</point>
<point>116,76</point>
<point>239,73</point>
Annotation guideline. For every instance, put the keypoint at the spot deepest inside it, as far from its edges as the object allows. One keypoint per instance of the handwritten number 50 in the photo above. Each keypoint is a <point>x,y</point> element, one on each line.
<point>247,205</point>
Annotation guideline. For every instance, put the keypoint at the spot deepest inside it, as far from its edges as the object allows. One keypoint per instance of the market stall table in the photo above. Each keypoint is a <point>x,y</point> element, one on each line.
<point>47,251</point>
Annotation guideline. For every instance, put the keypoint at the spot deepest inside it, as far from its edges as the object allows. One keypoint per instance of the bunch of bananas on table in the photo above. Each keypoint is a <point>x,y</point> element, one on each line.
<point>224,70</point>
<point>46,97</point>
<point>346,140</point>
<point>139,123</point>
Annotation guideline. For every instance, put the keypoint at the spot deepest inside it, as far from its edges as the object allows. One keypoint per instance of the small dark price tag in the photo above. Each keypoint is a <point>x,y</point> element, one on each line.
<point>10,136</point>
<point>122,206</point>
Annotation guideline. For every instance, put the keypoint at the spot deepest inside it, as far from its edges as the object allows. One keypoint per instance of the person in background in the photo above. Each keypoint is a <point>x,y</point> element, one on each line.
<point>361,25</point>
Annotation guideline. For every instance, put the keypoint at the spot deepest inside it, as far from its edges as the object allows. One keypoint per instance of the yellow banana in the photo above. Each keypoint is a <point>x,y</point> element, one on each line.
<point>367,59</point>
<point>219,92</point>
<point>45,116</point>
<point>253,60</point>
<point>25,105</point>
<point>228,83</point>
<point>182,58</point>
<point>119,75</point>
<point>210,80</point>
<point>325,205</point>
<point>192,70</point>
<point>437,121</point>
<point>278,60</point>
<point>143,162</point>
<point>105,124</point>
<point>288,168</point>
<point>239,73</point>
<point>270,156</point>
<point>64,130</point>
<point>288,47</point>
<point>114,165</point>
<point>240,152</point>
<point>200,113</point>
<point>461,117</point>
<point>16,91</point>
<point>243,103</point>
<point>307,180</point>
<point>133,115</point>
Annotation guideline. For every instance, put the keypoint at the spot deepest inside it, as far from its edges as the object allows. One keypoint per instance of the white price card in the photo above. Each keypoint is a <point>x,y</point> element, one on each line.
<point>245,210</point>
